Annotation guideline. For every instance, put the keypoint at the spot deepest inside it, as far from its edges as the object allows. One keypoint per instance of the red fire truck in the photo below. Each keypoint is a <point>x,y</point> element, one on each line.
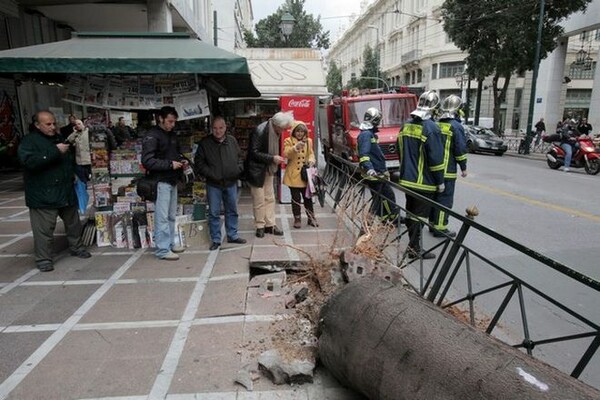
<point>345,114</point>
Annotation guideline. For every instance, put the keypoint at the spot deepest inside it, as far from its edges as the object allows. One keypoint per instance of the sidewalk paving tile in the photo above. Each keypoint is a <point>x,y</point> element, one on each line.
<point>141,302</point>
<point>16,347</point>
<point>259,305</point>
<point>210,359</point>
<point>15,227</point>
<point>150,267</point>
<point>67,267</point>
<point>14,267</point>
<point>34,305</point>
<point>232,261</point>
<point>222,298</point>
<point>94,364</point>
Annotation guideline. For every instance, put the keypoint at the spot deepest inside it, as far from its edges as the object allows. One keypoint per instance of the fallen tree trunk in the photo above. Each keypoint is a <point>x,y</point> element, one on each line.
<point>388,343</point>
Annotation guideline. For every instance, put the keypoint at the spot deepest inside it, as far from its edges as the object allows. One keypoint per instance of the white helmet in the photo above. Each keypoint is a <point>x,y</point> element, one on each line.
<point>428,102</point>
<point>450,106</point>
<point>372,116</point>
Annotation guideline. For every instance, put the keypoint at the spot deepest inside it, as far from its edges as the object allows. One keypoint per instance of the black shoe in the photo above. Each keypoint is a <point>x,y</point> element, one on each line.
<point>273,230</point>
<point>238,240</point>
<point>81,253</point>
<point>214,246</point>
<point>260,233</point>
<point>443,233</point>
<point>412,254</point>
<point>45,266</point>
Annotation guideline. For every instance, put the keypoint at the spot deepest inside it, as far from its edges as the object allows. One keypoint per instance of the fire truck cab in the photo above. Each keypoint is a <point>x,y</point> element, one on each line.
<point>345,114</point>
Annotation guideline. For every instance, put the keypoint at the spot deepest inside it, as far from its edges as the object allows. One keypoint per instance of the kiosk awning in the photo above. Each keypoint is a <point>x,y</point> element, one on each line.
<point>277,72</point>
<point>134,53</point>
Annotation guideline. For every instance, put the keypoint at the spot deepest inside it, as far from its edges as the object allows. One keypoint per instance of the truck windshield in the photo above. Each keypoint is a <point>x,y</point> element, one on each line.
<point>394,110</point>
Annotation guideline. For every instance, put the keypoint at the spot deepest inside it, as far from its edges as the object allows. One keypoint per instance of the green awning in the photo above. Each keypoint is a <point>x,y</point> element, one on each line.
<point>133,53</point>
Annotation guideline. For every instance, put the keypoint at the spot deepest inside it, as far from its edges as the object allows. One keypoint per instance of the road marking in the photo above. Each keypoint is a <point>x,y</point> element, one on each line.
<point>163,380</point>
<point>38,355</point>
<point>550,206</point>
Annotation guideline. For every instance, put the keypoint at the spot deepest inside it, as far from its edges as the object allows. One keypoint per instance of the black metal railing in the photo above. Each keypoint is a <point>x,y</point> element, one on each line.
<point>471,294</point>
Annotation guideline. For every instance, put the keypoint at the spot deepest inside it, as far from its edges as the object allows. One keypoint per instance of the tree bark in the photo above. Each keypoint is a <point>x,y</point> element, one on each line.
<point>388,343</point>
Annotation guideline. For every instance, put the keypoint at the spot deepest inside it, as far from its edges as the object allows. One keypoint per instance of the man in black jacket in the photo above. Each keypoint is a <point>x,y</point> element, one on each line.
<point>49,189</point>
<point>218,160</point>
<point>162,158</point>
<point>262,162</point>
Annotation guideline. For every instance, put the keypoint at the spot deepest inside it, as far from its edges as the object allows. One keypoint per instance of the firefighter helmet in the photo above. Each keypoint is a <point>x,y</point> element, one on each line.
<point>451,106</point>
<point>372,116</point>
<point>428,102</point>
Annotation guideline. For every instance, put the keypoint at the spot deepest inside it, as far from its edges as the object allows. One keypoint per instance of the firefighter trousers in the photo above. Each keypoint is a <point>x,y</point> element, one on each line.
<point>438,218</point>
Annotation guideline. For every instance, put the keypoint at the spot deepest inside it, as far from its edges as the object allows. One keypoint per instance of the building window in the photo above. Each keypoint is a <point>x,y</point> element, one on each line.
<point>448,70</point>
<point>580,73</point>
<point>434,68</point>
<point>518,98</point>
<point>407,78</point>
<point>597,35</point>
<point>419,75</point>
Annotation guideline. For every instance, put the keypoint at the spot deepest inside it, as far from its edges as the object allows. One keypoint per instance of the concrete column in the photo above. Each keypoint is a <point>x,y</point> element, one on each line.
<point>159,16</point>
<point>594,116</point>
<point>549,85</point>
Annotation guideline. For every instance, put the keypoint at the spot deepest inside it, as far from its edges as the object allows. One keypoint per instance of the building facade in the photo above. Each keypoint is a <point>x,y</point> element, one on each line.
<point>416,52</point>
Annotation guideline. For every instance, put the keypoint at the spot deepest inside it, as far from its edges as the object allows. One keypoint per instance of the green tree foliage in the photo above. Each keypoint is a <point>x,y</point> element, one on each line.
<point>334,79</point>
<point>371,70</point>
<point>500,36</point>
<point>308,31</point>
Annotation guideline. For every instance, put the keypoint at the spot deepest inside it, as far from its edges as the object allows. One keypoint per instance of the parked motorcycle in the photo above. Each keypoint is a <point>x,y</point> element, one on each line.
<point>587,156</point>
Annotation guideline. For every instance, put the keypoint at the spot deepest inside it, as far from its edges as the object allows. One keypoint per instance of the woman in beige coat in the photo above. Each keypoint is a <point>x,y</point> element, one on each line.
<point>80,138</point>
<point>298,149</point>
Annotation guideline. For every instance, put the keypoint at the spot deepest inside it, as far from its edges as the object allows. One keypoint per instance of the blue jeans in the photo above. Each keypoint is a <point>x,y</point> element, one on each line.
<point>164,218</point>
<point>228,196</point>
<point>568,153</point>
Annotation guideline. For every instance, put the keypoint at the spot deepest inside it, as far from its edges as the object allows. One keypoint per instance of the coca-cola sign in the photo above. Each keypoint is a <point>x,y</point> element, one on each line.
<point>296,103</point>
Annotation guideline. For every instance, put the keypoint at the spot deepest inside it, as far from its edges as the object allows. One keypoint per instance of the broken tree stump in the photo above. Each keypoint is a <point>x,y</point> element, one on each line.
<point>388,343</point>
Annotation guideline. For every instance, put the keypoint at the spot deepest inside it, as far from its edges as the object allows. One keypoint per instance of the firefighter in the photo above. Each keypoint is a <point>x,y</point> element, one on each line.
<point>421,167</point>
<point>374,171</point>
<point>455,152</point>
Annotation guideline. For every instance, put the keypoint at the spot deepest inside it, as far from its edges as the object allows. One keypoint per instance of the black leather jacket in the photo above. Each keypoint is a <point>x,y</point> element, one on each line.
<point>159,150</point>
<point>258,158</point>
<point>218,162</point>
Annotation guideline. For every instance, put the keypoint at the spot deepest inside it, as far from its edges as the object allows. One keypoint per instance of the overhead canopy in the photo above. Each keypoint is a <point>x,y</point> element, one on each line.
<point>278,72</point>
<point>138,53</point>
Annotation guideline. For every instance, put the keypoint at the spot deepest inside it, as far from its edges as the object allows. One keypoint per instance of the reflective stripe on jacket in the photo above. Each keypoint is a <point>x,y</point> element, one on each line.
<point>421,155</point>
<point>370,155</point>
<point>455,148</point>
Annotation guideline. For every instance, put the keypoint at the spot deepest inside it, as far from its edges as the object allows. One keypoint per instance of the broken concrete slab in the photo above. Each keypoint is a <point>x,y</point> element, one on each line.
<point>258,280</point>
<point>281,370</point>
<point>355,266</point>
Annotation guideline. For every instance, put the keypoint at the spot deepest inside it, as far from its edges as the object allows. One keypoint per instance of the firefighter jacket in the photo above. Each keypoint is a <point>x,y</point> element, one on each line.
<point>455,148</point>
<point>421,155</point>
<point>370,155</point>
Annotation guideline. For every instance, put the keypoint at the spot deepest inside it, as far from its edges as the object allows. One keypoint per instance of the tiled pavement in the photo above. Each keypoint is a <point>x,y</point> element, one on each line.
<point>124,325</point>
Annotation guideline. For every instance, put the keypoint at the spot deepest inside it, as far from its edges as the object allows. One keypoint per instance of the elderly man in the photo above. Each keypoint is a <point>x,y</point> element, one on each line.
<point>262,162</point>
<point>218,160</point>
<point>49,189</point>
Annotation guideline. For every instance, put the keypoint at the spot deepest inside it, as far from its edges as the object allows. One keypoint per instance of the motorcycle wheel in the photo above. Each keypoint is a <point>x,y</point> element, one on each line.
<point>594,167</point>
<point>553,164</point>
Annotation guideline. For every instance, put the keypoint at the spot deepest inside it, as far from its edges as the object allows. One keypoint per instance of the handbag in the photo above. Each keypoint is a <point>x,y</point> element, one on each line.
<point>146,187</point>
<point>304,172</point>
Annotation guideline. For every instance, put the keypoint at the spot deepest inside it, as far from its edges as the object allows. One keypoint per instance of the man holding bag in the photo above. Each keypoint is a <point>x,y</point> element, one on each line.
<point>49,189</point>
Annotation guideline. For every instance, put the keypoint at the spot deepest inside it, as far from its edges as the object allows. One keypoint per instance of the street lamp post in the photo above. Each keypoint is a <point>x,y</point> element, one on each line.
<point>287,25</point>
<point>377,51</point>
<point>461,78</point>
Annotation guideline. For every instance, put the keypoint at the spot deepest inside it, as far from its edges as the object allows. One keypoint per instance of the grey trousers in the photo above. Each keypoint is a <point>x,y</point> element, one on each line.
<point>43,223</point>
